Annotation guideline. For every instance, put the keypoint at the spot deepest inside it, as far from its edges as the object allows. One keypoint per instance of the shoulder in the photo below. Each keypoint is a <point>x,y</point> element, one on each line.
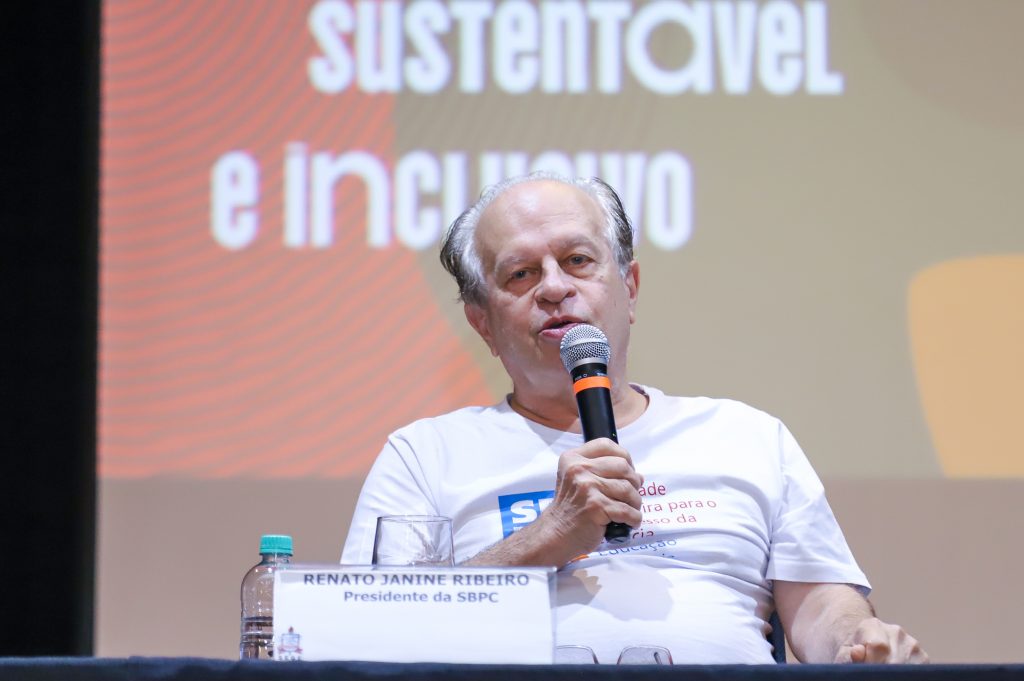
<point>712,408</point>
<point>464,422</point>
<point>729,428</point>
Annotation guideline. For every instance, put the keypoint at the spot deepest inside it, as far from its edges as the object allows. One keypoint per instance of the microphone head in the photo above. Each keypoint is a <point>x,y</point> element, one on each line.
<point>584,344</point>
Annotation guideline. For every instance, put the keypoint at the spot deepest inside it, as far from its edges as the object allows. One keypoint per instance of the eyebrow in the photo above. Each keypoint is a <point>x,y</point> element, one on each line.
<point>511,262</point>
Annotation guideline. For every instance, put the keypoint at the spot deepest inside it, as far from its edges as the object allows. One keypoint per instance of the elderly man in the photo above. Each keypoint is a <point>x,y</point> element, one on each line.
<point>729,520</point>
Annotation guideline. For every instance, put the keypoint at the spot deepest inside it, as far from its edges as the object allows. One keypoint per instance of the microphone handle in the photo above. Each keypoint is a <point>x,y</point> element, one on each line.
<point>598,420</point>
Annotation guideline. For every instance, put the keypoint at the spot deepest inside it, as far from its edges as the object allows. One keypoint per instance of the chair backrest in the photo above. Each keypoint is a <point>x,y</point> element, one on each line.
<point>777,638</point>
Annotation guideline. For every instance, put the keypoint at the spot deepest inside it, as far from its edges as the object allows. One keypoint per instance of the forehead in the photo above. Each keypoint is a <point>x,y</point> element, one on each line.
<point>537,211</point>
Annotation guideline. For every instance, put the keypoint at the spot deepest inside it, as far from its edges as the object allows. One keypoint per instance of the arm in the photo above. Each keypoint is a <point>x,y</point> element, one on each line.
<point>834,623</point>
<point>596,484</point>
<point>395,485</point>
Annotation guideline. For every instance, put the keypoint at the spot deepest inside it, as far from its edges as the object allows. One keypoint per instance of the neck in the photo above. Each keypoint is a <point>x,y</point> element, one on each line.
<point>559,411</point>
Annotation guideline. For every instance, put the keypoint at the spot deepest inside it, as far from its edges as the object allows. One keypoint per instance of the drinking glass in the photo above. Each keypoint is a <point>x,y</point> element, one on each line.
<point>424,540</point>
<point>574,655</point>
<point>645,655</point>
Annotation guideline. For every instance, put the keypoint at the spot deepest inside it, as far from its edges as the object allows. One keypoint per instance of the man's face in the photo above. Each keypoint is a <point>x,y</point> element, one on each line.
<point>547,267</point>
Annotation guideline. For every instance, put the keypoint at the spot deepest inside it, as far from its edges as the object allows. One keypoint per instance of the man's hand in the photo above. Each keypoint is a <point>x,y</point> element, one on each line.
<point>596,484</point>
<point>835,623</point>
<point>874,641</point>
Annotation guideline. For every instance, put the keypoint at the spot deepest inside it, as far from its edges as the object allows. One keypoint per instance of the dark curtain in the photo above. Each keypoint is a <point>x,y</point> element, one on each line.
<point>48,293</point>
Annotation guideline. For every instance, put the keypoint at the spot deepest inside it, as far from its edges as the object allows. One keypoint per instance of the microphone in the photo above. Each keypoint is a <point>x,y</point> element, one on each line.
<point>585,353</point>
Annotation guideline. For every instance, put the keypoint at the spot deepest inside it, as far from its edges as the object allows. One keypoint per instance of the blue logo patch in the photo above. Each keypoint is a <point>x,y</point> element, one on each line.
<point>519,510</point>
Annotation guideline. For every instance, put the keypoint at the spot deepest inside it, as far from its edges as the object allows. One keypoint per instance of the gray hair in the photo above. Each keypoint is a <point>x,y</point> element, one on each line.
<point>458,247</point>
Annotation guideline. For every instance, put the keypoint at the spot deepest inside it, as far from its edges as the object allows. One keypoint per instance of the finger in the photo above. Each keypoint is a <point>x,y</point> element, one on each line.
<point>606,467</point>
<point>844,655</point>
<point>878,652</point>
<point>598,500</point>
<point>622,491</point>
<point>604,500</point>
<point>616,469</point>
<point>618,512</point>
<point>910,651</point>
<point>605,494</point>
<point>603,446</point>
<point>876,639</point>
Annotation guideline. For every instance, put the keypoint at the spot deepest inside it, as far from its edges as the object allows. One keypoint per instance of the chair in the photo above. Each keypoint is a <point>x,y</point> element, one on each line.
<point>777,638</point>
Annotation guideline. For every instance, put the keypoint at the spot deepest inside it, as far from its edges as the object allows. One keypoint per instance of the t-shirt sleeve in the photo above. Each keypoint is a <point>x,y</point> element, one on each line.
<point>395,485</point>
<point>807,543</point>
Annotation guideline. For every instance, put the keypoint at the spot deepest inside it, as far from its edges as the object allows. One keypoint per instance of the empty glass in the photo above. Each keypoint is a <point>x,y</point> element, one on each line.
<point>629,655</point>
<point>645,655</point>
<point>574,655</point>
<point>424,540</point>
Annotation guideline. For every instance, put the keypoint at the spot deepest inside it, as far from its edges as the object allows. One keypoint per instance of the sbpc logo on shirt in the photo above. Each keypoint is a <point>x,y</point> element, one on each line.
<point>519,510</point>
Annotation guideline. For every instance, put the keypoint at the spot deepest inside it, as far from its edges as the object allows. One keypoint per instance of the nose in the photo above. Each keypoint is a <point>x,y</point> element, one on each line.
<point>555,284</point>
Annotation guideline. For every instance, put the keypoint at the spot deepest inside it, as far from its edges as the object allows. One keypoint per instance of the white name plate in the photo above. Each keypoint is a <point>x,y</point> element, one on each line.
<point>414,614</point>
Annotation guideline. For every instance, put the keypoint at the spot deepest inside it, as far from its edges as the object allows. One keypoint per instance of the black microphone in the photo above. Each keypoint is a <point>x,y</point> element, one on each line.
<point>585,354</point>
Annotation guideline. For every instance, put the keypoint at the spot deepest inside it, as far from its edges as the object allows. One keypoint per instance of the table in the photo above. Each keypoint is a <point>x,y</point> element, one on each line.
<point>200,669</point>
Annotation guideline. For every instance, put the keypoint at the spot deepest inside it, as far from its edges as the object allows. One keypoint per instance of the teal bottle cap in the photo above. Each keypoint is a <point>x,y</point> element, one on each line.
<point>276,543</point>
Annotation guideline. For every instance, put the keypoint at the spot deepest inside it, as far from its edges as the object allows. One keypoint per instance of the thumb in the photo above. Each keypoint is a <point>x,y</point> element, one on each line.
<point>851,653</point>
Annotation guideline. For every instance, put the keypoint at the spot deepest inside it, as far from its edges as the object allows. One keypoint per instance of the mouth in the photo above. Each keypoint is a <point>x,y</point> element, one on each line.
<point>556,328</point>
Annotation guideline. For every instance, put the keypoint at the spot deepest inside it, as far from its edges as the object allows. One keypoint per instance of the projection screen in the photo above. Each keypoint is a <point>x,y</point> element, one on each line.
<point>826,198</point>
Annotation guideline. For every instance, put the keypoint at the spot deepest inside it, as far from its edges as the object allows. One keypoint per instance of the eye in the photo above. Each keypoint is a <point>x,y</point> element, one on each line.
<point>578,259</point>
<point>518,275</point>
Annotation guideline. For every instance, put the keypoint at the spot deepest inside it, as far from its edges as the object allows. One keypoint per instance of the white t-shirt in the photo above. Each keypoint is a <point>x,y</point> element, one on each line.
<point>730,503</point>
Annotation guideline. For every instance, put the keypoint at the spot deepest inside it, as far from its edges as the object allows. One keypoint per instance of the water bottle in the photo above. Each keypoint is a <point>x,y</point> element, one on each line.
<point>257,642</point>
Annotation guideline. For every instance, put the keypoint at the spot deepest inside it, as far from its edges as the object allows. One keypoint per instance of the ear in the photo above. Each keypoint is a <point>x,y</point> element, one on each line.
<point>477,318</point>
<point>633,288</point>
